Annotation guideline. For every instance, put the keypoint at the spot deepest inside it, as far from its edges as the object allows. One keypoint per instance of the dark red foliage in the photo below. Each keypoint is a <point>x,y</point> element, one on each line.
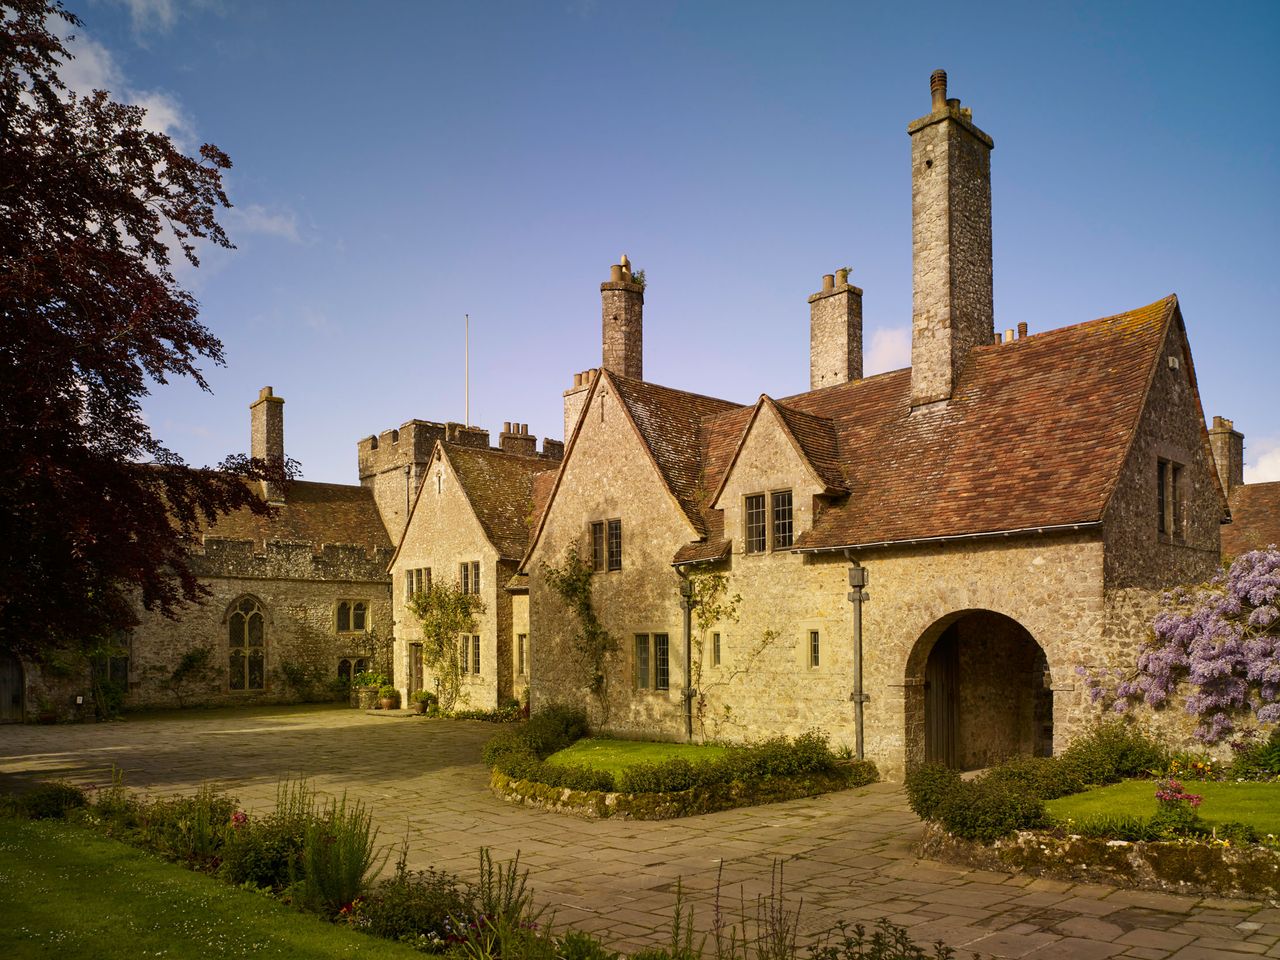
<point>95,514</point>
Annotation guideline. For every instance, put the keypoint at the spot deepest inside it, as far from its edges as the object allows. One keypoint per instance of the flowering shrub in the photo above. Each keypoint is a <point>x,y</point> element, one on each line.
<point>1170,791</point>
<point>1223,640</point>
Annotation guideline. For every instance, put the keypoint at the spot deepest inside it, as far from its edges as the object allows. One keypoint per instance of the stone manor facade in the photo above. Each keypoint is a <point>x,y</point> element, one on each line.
<point>915,562</point>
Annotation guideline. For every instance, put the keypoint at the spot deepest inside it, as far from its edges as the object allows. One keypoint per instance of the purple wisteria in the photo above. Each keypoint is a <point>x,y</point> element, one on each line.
<point>1222,641</point>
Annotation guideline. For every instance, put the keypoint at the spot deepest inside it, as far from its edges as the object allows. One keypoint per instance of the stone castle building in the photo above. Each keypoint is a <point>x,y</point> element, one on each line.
<point>914,562</point>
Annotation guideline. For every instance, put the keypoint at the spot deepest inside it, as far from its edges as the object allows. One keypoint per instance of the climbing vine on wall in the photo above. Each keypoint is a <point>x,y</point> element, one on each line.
<point>592,643</point>
<point>445,613</point>
<point>713,606</point>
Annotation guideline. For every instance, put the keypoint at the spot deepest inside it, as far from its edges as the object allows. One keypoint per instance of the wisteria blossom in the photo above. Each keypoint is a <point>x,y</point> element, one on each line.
<point>1221,642</point>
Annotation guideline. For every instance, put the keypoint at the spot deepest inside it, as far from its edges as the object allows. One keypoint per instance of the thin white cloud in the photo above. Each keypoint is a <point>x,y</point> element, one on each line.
<point>255,218</point>
<point>151,14</point>
<point>94,68</point>
<point>1265,462</point>
<point>890,349</point>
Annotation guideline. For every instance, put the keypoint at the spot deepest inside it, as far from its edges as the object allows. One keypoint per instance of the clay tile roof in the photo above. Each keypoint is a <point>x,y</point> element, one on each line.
<point>670,421</point>
<point>1255,519</point>
<point>817,439</point>
<point>1034,436</point>
<point>500,487</point>
<point>318,513</point>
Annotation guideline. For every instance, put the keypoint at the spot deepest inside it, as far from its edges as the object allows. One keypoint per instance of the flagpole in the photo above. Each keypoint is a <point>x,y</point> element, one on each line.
<point>466,368</point>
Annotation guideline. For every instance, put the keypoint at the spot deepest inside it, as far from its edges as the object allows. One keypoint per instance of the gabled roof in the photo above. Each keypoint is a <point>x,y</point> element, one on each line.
<point>670,423</point>
<point>1255,519</point>
<point>1034,437</point>
<point>500,488</point>
<point>318,513</point>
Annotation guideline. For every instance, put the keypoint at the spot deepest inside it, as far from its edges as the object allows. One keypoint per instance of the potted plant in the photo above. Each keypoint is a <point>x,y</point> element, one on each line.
<point>365,689</point>
<point>423,701</point>
<point>388,697</point>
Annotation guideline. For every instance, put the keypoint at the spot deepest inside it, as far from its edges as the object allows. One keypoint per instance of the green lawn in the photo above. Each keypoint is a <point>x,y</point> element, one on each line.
<point>615,756</point>
<point>1254,803</point>
<point>69,893</point>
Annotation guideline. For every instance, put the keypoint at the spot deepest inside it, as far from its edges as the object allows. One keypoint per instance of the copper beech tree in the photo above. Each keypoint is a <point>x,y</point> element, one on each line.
<point>95,513</point>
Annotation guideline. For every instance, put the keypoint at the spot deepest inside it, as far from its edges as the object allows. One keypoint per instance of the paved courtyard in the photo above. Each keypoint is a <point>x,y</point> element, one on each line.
<point>848,855</point>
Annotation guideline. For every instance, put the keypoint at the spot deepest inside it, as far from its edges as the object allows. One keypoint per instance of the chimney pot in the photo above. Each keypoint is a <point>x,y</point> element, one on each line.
<point>938,90</point>
<point>1022,329</point>
<point>1008,336</point>
<point>615,273</point>
<point>828,282</point>
<point>506,426</point>
<point>842,277</point>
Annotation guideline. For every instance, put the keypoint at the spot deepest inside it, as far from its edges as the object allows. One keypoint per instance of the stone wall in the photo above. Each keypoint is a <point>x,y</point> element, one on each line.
<point>301,631</point>
<point>444,533</point>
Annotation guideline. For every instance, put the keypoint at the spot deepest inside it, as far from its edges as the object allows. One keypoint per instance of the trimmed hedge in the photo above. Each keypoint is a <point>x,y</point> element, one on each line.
<point>674,787</point>
<point>1011,796</point>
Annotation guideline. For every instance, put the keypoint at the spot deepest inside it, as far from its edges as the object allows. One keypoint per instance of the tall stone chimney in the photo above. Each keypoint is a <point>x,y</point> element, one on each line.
<point>1228,453</point>
<point>515,438</point>
<point>266,436</point>
<point>835,332</point>
<point>952,308</point>
<point>622,314</point>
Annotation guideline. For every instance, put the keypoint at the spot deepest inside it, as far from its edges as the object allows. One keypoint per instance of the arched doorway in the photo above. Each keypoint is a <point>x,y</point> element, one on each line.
<point>981,692</point>
<point>11,688</point>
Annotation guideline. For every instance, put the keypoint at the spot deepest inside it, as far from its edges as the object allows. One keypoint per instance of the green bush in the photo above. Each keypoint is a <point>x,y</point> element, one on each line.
<point>519,750</point>
<point>928,786</point>
<point>263,853</point>
<point>984,810</point>
<point>52,800</point>
<point>413,907</point>
<point>192,829</point>
<point>1258,761</point>
<point>779,757</point>
<point>887,942</point>
<point>339,856</point>
<point>1113,751</point>
<point>1236,832</point>
<point>1045,777</point>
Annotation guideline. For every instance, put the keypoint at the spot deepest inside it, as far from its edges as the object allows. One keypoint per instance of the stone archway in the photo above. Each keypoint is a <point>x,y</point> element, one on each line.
<point>978,692</point>
<point>12,684</point>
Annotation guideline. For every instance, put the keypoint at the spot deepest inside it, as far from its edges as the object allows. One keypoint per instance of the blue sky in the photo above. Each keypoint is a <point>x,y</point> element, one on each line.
<point>400,164</point>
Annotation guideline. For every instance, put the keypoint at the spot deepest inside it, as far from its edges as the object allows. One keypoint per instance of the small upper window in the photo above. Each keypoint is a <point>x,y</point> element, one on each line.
<point>352,616</point>
<point>606,545</point>
<point>715,649</point>
<point>815,648</point>
<point>469,576</point>
<point>782,528</point>
<point>615,544</point>
<point>1170,499</point>
<point>756,534</point>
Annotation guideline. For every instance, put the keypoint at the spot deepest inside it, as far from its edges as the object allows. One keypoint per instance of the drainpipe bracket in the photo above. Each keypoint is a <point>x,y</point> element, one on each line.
<point>859,698</point>
<point>853,597</point>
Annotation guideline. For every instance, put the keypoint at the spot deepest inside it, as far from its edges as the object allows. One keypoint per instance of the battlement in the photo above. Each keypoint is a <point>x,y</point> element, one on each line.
<point>411,445</point>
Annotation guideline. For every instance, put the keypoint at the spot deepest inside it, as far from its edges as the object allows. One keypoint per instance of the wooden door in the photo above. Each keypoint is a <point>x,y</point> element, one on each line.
<point>941,681</point>
<point>10,689</point>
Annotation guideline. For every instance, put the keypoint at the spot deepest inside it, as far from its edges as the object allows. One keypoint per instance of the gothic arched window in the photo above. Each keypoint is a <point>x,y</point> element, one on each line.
<point>247,646</point>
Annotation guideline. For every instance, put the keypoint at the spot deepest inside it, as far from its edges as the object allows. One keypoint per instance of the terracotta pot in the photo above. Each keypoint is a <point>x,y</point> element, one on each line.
<point>419,708</point>
<point>390,703</point>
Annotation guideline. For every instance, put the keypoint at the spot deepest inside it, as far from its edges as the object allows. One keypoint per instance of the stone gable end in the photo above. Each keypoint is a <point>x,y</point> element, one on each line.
<point>609,474</point>
<point>443,532</point>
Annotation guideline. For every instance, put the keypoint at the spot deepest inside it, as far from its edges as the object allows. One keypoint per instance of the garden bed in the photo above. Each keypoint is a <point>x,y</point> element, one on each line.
<point>1088,815</point>
<point>670,784</point>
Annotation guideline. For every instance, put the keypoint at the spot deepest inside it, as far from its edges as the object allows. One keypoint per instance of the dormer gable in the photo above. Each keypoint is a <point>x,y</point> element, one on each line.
<point>781,447</point>
<point>769,489</point>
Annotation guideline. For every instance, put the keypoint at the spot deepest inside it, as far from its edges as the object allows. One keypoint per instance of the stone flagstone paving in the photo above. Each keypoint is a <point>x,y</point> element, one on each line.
<point>847,855</point>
